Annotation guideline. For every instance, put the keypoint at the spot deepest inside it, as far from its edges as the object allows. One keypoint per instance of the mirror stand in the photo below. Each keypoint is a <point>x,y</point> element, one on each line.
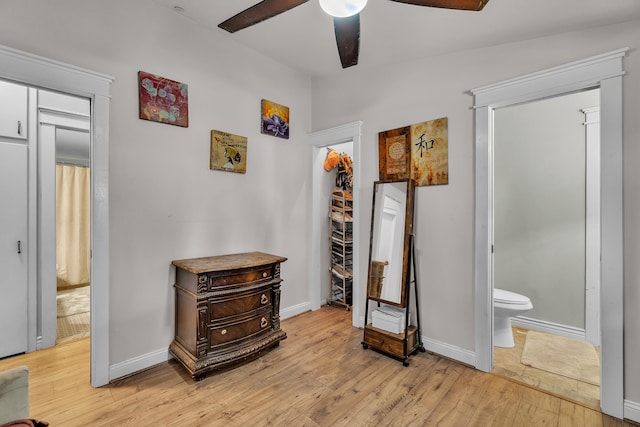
<point>407,342</point>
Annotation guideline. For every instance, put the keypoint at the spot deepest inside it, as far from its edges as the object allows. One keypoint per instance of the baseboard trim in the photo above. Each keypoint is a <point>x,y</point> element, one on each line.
<point>137,364</point>
<point>450,351</point>
<point>145,361</point>
<point>285,313</point>
<point>549,327</point>
<point>131,366</point>
<point>632,411</point>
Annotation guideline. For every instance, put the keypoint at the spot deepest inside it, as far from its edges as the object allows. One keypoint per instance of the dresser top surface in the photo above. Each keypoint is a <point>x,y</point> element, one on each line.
<point>227,262</point>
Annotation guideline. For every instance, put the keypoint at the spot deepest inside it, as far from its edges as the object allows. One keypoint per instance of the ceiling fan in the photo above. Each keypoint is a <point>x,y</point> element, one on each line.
<point>346,18</point>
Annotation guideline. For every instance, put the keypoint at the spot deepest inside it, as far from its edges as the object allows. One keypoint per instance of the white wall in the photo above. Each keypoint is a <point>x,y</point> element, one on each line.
<point>539,205</point>
<point>165,202</point>
<point>387,98</point>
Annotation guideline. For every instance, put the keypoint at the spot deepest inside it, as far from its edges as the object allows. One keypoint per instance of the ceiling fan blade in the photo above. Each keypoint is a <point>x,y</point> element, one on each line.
<point>449,4</point>
<point>259,12</point>
<point>348,39</point>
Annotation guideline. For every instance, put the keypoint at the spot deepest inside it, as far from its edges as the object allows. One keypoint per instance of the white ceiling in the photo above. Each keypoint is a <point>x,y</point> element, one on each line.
<point>392,32</point>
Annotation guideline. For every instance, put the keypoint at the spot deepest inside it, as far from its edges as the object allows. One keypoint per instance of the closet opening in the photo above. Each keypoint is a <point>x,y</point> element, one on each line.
<point>337,188</point>
<point>324,181</point>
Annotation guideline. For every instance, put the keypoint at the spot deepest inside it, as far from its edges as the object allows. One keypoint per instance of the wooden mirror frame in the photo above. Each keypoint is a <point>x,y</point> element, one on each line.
<point>373,282</point>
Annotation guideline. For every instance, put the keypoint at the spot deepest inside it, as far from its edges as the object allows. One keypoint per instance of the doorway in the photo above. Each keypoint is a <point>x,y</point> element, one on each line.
<point>604,71</point>
<point>36,71</point>
<point>349,134</point>
<point>64,219</point>
<point>546,242</point>
<point>73,234</point>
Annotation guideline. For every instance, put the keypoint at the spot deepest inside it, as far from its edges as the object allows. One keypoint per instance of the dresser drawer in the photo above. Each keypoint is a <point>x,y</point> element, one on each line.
<point>230,333</point>
<point>238,303</point>
<point>227,309</point>
<point>230,280</point>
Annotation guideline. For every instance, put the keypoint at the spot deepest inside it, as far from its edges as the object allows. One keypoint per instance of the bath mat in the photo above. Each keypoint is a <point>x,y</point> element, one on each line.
<point>563,356</point>
<point>73,301</point>
<point>74,327</point>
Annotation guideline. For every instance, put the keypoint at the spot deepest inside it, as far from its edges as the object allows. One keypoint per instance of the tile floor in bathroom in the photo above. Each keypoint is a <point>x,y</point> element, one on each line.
<point>507,363</point>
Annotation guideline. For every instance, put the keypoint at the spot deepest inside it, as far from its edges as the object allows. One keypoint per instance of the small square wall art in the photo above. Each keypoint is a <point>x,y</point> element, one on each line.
<point>275,119</point>
<point>228,152</point>
<point>163,100</point>
<point>430,152</point>
<point>419,151</point>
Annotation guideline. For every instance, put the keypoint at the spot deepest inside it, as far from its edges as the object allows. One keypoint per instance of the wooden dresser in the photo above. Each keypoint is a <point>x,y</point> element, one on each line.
<point>227,309</point>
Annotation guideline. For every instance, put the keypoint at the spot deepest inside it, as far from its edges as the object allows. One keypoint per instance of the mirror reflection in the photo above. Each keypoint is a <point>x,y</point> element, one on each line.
<point>390,230</point>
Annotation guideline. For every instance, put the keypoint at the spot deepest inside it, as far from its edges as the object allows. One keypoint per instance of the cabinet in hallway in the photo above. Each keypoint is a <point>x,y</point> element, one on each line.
<point>13,249</point>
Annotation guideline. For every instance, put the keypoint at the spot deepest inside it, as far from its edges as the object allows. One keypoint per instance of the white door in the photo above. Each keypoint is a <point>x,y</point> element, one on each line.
<point>13,110</point>
<point>13,255</point>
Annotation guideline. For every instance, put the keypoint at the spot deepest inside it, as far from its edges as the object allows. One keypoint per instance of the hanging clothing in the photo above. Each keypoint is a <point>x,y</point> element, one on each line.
<point>332,160</point>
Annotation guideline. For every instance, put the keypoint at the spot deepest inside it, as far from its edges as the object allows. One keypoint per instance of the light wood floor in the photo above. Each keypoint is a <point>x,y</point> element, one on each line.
<point>318,376</point>
<point>507,362</point>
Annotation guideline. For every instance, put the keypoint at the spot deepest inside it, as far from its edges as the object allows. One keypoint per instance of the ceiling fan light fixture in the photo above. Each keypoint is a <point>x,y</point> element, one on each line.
<point>342,8</point>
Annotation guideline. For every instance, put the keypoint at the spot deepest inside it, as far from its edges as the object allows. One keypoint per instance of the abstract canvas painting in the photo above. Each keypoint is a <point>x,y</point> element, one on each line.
<point>275,119</point>
<point>163,100</point>
<point>228,152</point>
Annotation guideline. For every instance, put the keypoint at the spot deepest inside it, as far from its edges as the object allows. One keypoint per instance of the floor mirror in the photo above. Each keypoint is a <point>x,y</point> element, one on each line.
<point>388,327</point>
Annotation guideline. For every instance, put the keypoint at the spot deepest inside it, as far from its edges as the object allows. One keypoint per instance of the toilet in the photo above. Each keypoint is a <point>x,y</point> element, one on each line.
<point>506,305</point>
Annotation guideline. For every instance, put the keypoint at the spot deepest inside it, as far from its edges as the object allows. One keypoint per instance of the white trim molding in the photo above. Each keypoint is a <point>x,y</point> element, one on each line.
<point>33,70</point>
<point>604,71</point>
<point>632,411</point>
<point>575,76</point>
<point>288,312</point>
<point>592,229</point>
<point>140,363</point>
<point>449,351</point>
<point>549,327</point>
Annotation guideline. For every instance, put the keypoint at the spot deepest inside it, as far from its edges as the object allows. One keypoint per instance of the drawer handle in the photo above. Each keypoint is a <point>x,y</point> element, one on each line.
<point>223,332</point>
<point>264,299</point>
<point>263,322</point>
<point>265,274</point>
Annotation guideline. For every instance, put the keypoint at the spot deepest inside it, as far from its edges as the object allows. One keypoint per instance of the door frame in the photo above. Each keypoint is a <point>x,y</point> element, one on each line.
<point>36,71</point>
<point>49,121</point>
<point>604,71</point>
<point>350,132</point>
<point>592,235</point>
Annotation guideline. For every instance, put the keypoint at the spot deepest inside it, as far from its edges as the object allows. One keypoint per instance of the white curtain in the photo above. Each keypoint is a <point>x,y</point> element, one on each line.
<point>73,225</point>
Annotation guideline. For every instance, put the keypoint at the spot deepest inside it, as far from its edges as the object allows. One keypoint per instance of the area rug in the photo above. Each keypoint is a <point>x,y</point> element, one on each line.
<point>563,356</point>
<point>74,327</point>
<point>73,314</point>
<point>73,301</point>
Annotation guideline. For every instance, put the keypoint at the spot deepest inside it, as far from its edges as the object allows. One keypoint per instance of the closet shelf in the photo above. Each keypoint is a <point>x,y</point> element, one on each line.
<point>341,248</point>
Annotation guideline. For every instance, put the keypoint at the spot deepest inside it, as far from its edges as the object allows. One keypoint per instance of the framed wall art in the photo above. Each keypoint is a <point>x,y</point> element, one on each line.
<point>228,152</point>
<point>163,100</point>
<point>394,154</point>
<point>274,119</point>
<point>419,151</point>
